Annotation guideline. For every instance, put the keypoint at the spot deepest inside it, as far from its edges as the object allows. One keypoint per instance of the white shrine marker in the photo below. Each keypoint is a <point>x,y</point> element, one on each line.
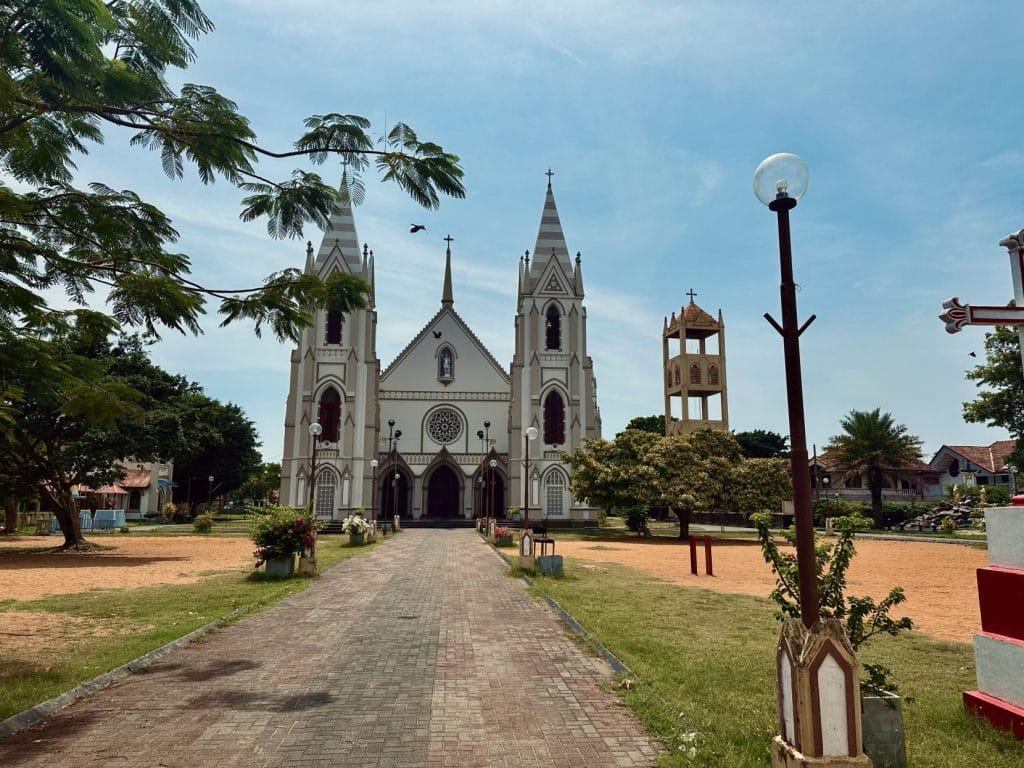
<point>958,314</point>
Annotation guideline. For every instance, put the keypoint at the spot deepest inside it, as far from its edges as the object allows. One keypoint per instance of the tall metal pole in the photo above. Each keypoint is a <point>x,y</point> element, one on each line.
<point>526,484</point>
<point>805,554</point>
<point>373,493</point>
<point>1014,245</point>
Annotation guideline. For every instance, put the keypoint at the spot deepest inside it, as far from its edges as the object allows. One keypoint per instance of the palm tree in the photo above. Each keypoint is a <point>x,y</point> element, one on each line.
<point>872,441</point>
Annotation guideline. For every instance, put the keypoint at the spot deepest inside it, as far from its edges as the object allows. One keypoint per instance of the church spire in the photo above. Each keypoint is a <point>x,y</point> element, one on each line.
<point>341,230</point>
<point>446,294</point>
<point>550,239</point>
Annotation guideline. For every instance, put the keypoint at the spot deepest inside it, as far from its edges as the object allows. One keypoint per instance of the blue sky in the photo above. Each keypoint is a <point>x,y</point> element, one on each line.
<point>653,116</point>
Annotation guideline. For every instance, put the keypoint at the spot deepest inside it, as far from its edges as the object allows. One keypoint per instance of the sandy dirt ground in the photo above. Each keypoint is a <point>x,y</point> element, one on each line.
<point>125,562</point>
<point>939,579</point>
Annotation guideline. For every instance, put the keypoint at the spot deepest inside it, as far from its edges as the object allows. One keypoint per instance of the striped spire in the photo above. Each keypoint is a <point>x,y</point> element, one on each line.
<point>341,233</point>
<point>550,240</point>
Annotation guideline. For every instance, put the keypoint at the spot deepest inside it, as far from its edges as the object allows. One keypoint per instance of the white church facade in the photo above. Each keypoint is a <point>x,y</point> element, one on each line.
<point>440,432</point>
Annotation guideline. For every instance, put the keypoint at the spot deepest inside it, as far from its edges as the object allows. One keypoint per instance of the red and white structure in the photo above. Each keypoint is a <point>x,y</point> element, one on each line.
<point>999,647</point>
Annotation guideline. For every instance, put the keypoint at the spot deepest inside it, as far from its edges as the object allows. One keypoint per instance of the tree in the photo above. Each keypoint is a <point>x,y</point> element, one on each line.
<point>75,71</point>
<point>872,441</point>
<point>653,424</point>
<point>73,429</point>
<point>695,471</point>
<point>1003,404</point>
<point>614,474</point>
<point>763,444</point>
<point>761,485</point>
<point>261,485</point>
<point>221,443</point>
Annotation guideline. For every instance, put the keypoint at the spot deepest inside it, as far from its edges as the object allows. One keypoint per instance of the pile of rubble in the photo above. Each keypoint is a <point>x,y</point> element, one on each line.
<point>959,513</point>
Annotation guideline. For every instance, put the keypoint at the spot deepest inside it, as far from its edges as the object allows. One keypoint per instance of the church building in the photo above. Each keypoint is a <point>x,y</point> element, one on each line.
<point>442,431</point>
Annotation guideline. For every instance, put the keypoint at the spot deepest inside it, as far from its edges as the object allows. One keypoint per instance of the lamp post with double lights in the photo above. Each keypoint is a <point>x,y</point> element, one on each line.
<point>819,711</point>
<point>315,430</point>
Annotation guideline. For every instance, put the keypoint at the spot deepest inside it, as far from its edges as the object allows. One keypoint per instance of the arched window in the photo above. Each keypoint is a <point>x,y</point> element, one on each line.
<point>330,415</point>
<point>554,495</point>
<point>553,329</point>
<point>678,379</point>
<point>326,485</point>
<point>695,374</point>
<point>713,374</point>
<point>333,334</point>
<point>554,419</point>
<point>446,364</point>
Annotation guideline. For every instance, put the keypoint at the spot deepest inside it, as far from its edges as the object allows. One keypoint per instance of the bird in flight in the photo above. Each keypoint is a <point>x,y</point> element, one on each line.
<point>972,354</point>
<point>414,228</point>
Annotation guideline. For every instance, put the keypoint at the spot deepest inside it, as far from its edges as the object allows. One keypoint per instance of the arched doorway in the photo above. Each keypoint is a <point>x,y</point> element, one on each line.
<point>394,495</point>
<point>443,493</point>
<point>493,502</point>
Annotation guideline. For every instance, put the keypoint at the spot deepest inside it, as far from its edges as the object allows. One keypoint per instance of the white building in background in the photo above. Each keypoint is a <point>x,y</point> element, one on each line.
<point>462,416</point>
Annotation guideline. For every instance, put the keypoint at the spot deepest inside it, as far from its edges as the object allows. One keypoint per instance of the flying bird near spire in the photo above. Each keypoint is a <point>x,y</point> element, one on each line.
<point>414,228</point>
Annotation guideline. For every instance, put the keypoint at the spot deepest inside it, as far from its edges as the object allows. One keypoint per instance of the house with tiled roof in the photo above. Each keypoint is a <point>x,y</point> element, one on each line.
<point>912,481</point>
<point>975,464</point>
<point>441,431</point>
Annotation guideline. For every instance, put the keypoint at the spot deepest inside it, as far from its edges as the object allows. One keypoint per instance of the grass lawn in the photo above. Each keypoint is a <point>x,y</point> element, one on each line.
<point>704,676</point>
<point>107,628</point>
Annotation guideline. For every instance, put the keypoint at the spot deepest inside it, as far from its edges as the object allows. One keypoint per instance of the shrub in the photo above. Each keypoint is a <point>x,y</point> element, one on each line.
<point>125,529</point>
<point>862,617</point>
<point>997,495</point>
<point>280,532</point>
<point>203,523</point>
<point>355,524</point>
<point>602,519</point>
<point>636,519</point>
<point>948,525</point>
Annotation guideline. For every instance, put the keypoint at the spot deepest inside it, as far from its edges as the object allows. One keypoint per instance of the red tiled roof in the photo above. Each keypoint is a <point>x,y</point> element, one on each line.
<point>137,478</point>
<point>991,458</point>
<point>694,315</point>
<point>826,460</point>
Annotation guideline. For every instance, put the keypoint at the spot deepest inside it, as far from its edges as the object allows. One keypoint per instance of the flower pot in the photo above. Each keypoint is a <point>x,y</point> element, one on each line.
<point>882,721</point>
<point>281,567</point>
<point>504,541</point>
<point>357,539</point>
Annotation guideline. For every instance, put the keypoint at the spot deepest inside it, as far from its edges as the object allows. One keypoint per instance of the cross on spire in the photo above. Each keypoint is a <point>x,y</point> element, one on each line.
<point>448,239</point>
<point>691,294</point>
<point>549,174</point>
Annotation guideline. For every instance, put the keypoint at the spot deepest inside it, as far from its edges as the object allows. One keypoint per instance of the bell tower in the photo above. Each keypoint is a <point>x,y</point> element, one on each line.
<point>334,382</point>
<point>553,383</point>
<point>696,387</point>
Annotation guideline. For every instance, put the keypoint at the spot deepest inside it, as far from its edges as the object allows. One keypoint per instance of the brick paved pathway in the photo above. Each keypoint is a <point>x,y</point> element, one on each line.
<point>418,654</point>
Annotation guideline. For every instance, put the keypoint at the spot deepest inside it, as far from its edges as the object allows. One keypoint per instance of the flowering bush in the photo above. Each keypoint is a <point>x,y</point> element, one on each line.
<point>502,532</point>
<point>355,524</point>
<point>280,532</point>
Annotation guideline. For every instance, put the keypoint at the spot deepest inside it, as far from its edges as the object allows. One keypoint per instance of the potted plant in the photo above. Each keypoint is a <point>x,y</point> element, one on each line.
<point>862,617</point>
<point>280,533</point>
<point>356,526</point>
<point>513,513</point>
<point>503,537</point>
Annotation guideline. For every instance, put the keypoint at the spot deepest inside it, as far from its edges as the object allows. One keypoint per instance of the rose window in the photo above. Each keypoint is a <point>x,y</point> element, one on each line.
<point>444,426</point>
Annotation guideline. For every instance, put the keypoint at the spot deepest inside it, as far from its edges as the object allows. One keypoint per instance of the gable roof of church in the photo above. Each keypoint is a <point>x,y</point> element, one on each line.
<point>447,300</point>
<point>446,310</point>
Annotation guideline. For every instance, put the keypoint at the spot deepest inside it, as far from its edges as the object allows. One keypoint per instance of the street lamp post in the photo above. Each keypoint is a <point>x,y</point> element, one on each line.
<point>209,496</point>
<point>490,511</point>
<point>394,494</point>
<point>315,431</point>
<point>1013,479</point>
<point>779,182</point>
<point>819,714</point>
<point>373,493</point>
<point>531,434</point>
